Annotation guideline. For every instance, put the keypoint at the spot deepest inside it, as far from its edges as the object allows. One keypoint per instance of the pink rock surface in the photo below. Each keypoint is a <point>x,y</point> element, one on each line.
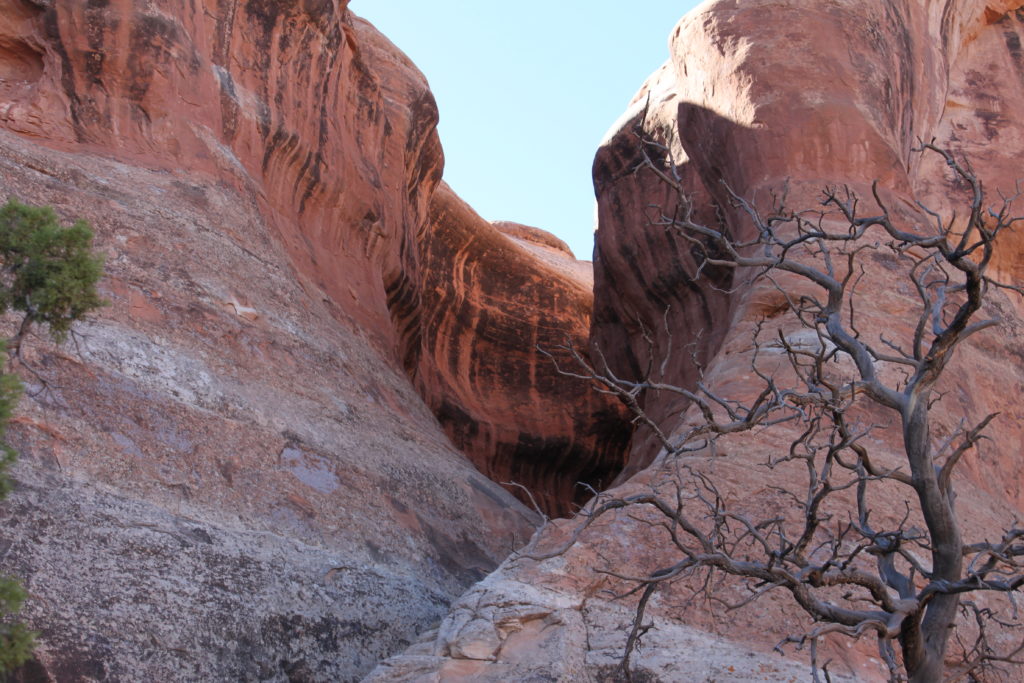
<point>230,474</point>
<point>765,96</point>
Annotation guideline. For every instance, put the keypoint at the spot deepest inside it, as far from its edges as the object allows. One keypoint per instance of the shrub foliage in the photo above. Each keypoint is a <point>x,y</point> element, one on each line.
<point>48,276</point>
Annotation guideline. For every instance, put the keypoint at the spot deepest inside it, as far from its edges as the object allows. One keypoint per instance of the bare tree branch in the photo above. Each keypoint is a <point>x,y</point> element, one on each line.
<point>900,583</point>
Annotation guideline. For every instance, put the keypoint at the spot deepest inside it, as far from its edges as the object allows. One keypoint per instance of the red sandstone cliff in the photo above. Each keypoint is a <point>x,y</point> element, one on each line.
<point>231,475</point>
<point>488,309</point>
<point>765,96</point>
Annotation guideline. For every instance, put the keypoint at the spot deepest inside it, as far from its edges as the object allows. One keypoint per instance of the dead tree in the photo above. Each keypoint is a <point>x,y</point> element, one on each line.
<point>904,584</point>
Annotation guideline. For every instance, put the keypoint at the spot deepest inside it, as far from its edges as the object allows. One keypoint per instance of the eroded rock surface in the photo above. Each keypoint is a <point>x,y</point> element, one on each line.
<point>498,309</point>
<point>765,97</point>
<point>229,475</point>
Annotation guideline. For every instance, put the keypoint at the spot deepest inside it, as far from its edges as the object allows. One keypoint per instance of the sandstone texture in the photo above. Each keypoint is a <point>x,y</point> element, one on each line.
<point>488,318</point>
<point>769,98</point>
<point>229,473</point>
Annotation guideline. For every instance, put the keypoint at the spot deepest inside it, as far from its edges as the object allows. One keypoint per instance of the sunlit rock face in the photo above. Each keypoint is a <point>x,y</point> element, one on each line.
<point>766,99</point>
<point>228,475</point>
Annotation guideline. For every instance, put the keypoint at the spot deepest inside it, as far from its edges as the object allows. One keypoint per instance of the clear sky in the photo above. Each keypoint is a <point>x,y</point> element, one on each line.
<point>526,91</point>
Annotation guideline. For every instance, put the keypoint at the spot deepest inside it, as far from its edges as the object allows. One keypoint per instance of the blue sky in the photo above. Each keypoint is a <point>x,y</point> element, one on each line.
<point>526,91</point>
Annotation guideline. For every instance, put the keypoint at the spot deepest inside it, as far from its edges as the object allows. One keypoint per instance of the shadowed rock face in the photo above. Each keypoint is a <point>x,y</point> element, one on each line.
<point>488,306</point>
<point>230,476</point>
<point>767,97</point>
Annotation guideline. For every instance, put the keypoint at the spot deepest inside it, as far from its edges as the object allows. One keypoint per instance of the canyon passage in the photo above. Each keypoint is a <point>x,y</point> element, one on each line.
<point>279,452</point>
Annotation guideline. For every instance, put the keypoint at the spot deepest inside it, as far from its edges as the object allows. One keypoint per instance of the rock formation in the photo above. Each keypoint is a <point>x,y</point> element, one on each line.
<point>229,474</point>
<point>767,98</point>
<point>487,307</point>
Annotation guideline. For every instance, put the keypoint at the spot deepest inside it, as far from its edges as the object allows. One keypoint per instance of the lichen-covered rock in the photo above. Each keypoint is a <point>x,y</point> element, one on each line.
<point>220,476</point>
<point>763,98</point>
<point>228,474</point>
